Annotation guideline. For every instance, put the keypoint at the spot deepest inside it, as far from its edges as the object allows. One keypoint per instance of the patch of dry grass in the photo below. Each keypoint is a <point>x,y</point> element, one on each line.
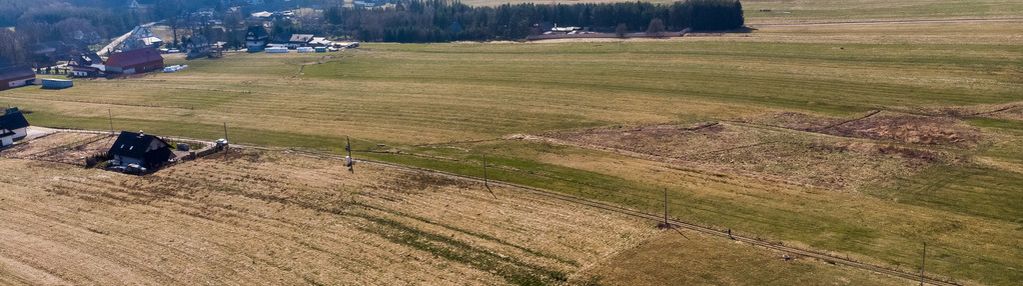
<point>761,153</point>
<point>689,259</point>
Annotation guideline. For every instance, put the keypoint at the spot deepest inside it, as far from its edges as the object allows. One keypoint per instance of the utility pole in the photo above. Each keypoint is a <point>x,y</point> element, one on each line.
<point>666,207</point>
<point>227,143</point>
<point>666,224</point>
<point>349,161</point>
<point>110,118</point>
<point>923,263</point>
<point>486,177</point>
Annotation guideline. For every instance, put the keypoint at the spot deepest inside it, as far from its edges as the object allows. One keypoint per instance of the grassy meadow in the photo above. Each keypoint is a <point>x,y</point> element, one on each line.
<point>447,106</point>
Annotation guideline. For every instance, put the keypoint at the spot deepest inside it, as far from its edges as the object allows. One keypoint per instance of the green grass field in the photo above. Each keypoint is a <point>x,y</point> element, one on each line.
<point>462,99</point>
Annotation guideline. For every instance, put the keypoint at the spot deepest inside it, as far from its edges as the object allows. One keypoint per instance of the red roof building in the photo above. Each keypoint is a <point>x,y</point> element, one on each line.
<point>11,77</point>
<point>135,61</point>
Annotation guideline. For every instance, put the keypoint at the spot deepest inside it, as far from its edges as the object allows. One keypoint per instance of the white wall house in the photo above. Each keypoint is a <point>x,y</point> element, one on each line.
<point>13,127</point>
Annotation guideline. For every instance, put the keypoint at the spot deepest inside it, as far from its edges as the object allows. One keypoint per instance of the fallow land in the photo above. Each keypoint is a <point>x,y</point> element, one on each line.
<point>864,141</point>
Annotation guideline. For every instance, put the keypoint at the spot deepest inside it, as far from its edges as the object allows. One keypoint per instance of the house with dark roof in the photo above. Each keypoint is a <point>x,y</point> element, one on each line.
<point>256,38</point>
<point>85,64</point>
<point>196,46</point>
<point>15,76</point>
<point>293,41</point>
<point>13,127</point>
<point>135,61</point>
<point>140,150</point>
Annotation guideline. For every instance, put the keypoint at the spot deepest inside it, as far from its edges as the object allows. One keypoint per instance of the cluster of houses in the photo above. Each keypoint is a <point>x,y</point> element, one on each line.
<point>85,65</point>
<point>140,60</point>
<point>257,40</point>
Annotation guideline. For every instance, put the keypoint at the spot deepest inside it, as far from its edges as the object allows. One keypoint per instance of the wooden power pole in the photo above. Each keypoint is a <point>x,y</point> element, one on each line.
<point>923,263</point>
<point>110,119</point>
<point>666,224</point>
<point>486,177</point>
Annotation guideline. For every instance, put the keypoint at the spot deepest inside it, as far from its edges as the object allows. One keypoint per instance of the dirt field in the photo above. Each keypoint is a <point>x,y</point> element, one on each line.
<point>717,262</point>
<point>256,217</point>
<point>276,217</point>
<point>884,126</point>
<point>68,148</point>
<point>776,155</point>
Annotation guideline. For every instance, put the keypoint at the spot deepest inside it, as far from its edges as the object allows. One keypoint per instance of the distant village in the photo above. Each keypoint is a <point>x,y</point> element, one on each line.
<point>199,34</point>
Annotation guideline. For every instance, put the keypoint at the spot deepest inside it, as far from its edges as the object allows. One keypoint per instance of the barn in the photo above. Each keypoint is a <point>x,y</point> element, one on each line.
<point>15,76</point>
<point>135,61</point>
<point>140,149</point>
<point>13,126</point>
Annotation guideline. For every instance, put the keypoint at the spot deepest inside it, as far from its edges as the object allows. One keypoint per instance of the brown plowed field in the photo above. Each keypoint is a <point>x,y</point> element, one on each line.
<point>258,218</point>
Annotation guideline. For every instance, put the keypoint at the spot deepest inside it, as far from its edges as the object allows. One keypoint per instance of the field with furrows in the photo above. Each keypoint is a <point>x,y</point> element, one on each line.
<point>251,217</point>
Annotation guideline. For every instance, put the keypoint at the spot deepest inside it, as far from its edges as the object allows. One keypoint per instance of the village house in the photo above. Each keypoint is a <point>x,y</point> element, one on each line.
<point>140,151</point>
<point>15,76</point>
<point>85,65</point>
<point>293,41</point>
<point>135,61</point>
<point>256,39</point>
<point>196,46</point>
<point>13,127</point>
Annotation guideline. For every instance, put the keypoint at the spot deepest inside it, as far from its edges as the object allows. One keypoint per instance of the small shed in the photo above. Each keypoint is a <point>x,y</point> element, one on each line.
<point>52,83</point>
<point>140,149</point>
<point>16,76</point>
<point>13,126</point>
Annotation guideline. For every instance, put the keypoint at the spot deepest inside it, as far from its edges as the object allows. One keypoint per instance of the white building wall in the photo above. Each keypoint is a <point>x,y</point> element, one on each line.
<point>20,133</point>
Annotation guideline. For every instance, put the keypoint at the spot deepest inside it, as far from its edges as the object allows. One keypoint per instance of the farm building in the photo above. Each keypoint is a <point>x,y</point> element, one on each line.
<point>277,50</point>
<point>135,61</point>
<point>13,127</point>
<point>256,39</point>
<point>85,71</point>
<point>140,150</point>
<point>293,41</point>
<point>15,76</point>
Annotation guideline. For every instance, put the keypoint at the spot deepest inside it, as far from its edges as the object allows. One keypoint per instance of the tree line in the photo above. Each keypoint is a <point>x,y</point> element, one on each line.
<point>24,23</point>
<point>440,20</point>
<point>85,23</point>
